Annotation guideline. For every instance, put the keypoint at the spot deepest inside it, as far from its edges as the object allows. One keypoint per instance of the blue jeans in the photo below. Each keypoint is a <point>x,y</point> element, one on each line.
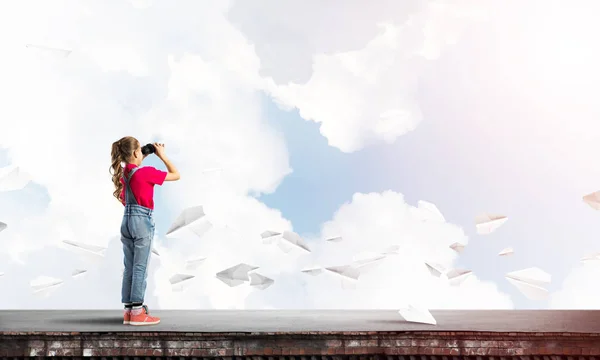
<point>137,233</point>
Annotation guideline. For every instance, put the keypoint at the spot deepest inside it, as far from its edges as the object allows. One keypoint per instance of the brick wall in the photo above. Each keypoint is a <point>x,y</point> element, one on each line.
<point>447,345</point>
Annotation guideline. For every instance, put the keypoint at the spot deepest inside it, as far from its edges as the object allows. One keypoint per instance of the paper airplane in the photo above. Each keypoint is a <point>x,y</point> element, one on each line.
<point>269,237</point>
<point>593,200</point>
<point>85,248</point>
<point>13,178</point>
<point>507,251</point>
<point>417,315</point>
<point>530,282</point>
<point>290,240</point>
<point>78,273</point>
<point>3,226</point>
<point>1,273</point>
<point>487,224</point>
<point>313,270</point>
<point>367,262</point>
<point>193,264</point>
<point>155,252</point>
<point>334,239</point>
<point>591,257</point>
<point>45,285</point>
<point>236,275</point>
<point>435,269</point>
<point>458,247</point>
<point>260,281</point>
<point>348,271</point>
<point>49,50</point>
<point>180,282</point>
<point>452,276</point>
<point>456,277</point>
<point>430,212</point>
<point>191,219</point>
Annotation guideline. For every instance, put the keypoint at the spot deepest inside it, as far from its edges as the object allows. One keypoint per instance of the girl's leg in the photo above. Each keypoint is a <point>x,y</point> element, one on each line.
<point>128,254</point>
<point>142,250</point>
<point>128,257</point>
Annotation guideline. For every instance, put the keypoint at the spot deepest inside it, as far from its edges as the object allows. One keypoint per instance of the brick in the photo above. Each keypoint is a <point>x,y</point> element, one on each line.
<point>474,351</point>
<point>571,351</point>
<point>35,343</point>
<point>451,344</point>
<point>174,344</point>
<point>471,344</point>
<point>199,352</point>
<point>489,343</point>
<point>333,343</point>
<point>35,352</point>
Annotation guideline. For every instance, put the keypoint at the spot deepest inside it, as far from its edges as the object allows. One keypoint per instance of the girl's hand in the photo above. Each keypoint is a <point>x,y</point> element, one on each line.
<point>160,149</point>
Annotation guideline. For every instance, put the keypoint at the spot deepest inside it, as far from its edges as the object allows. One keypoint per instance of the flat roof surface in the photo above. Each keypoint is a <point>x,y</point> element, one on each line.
<point>582,321</point>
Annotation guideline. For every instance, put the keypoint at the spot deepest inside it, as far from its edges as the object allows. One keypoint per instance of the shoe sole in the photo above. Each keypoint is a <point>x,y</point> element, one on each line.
<point>144,323</point>
<point>126,322</point>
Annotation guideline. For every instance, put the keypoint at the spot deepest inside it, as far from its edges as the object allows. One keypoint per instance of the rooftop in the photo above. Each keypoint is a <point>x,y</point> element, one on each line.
<point>296,321</point>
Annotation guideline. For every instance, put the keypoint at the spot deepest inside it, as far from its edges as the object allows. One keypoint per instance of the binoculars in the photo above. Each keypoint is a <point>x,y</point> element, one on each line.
<point>148,149</point>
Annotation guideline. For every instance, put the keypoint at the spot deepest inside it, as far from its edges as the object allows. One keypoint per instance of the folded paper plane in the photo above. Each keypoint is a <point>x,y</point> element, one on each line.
<point>3,226</point>
<point>417,315</point>
<point>269,236</point>
<point>458,247</point>
<point>78,273</point>
<point>180,282</point>
<point>348,271</point>
<point>45,285</point>
<point>367,262</point>
<point>260,281</point>
<point>452,276</point>
<point>593,200</point>
<point>435,269</point>
<point>456,276</point>
<point>191,220</point>
<point>236,275</point>
<point>46,50</point>
<point>85,248</point>
<point>591,257</point>
<point>193,264</point>
<point>290,240</point>
<point>313,270</point>
<point>487,224</point>
<point>530,282</point>
<point>506,251</point>
<point>334,239</point>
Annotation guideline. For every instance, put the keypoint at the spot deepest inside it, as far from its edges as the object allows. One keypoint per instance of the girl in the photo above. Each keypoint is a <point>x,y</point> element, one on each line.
<point>134,188</point>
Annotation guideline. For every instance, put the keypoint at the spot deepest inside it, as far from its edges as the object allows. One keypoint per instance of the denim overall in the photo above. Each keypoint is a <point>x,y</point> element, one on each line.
<point>137,234</point>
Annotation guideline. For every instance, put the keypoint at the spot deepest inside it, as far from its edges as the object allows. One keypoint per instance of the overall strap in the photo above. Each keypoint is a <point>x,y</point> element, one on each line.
<point>129,197</point>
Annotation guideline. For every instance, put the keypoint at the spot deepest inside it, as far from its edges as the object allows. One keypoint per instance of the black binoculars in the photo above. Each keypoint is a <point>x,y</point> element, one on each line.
<point>148,149</point>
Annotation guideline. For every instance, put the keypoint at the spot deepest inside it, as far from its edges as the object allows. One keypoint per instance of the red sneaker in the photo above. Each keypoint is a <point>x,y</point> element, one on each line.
<point>126,316</point>
<point>141,317</point>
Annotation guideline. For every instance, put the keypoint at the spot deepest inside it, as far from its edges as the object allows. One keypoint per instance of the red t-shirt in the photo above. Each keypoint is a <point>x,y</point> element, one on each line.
<point>142,184</point>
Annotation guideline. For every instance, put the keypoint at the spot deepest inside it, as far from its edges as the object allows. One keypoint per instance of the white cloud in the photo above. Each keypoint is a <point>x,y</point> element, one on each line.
<point>176,81</point>
<point>579,289</point>
<point>372,223</point>
<point>360,89</point>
